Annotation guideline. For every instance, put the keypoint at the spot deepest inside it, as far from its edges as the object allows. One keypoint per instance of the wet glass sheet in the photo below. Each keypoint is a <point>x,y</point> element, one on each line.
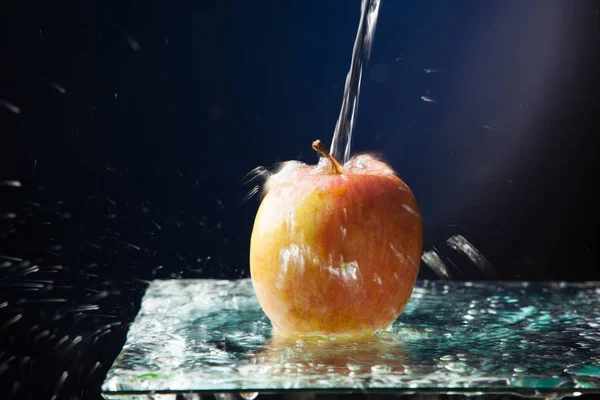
<point>538,339</point>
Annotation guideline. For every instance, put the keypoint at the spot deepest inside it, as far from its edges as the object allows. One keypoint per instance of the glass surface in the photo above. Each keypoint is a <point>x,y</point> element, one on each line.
<point>531,339</point>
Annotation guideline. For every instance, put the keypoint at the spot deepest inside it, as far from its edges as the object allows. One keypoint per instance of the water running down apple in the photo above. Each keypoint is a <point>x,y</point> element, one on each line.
<point>335,249</point>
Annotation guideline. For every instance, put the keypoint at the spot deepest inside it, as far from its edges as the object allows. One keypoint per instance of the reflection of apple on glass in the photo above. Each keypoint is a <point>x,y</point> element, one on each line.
<point>335,249</point>
<point>315,354</point>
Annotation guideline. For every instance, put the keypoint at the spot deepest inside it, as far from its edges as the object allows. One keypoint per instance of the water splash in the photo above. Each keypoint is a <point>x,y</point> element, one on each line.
<point>342,136</point>
<point>433,261</point>
<point>462,245</point>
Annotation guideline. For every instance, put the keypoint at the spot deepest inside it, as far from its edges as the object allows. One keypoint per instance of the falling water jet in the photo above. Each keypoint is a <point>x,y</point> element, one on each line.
<point>342,136</point>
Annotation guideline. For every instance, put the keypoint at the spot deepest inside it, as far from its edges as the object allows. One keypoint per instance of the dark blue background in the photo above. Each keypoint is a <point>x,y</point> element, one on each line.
<point>135,171</point>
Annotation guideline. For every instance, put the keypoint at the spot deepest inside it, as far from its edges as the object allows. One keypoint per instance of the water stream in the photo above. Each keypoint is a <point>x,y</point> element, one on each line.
<point>342,136</point>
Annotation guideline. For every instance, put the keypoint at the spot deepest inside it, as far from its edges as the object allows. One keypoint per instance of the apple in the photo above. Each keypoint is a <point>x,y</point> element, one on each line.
<point>335,250</point>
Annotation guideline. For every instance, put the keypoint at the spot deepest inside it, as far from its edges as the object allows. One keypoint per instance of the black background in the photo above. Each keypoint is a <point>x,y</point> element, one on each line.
<point>137,121</point>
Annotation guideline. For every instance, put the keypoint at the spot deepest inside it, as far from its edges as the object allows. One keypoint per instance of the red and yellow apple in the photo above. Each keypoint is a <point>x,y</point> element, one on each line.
<point>335,250</point>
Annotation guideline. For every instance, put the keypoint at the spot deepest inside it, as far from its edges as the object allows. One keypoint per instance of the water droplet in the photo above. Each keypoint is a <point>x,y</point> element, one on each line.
<point>10,107</point>
<point>354,367</point>
<point>448,357</point>
<point>11,183</point>
<point>249,395</point>
<point>134,44</point>
<point>456,367</point>
<point>381,368</point>
<point>428,99</point>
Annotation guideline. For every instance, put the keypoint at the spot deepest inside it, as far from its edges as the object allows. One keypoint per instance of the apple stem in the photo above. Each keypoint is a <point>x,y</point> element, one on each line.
<point>319,148</point>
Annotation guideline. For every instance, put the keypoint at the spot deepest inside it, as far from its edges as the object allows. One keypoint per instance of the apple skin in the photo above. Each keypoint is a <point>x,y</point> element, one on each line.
<point>335,254</point>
